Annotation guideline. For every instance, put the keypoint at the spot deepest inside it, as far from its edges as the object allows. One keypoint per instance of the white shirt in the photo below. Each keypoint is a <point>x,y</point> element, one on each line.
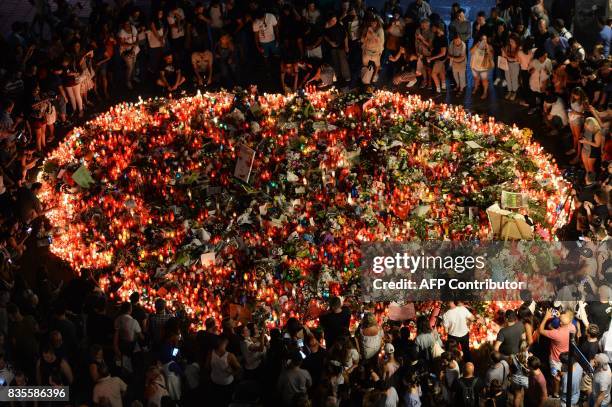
<point>542,71</point>
<point>128,40</point>
<point>155,42</point>
<point>216,16</point>
<point>558,109</point>
<point>252,359</point>
<point>6,376</point>
<point>128,327</point>
<point>525,58</point>
<point>192,374</point>
<point>392,397</point>
<point>265,28</point>
<point>110,389</point>
<point>176,18</point>
<point>455,321</point>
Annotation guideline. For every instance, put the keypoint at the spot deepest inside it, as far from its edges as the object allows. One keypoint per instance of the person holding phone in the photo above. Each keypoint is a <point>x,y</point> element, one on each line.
<point>481,65</point>
<point>559,343</point>
<point>253,346</point>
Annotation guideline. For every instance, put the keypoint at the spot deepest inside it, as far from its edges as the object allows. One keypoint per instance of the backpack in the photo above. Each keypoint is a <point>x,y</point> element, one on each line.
<point>469,393</point>
<point>436,350</point>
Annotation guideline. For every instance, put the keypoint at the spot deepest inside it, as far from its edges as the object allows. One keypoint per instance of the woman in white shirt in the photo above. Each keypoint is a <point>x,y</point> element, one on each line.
<point>524,56</point>
<point>540,69</point>
<point>370,337</point>
<point>156,36</point>
<point>344,351</point>
<point>253,346</point>
<point>223,367</point>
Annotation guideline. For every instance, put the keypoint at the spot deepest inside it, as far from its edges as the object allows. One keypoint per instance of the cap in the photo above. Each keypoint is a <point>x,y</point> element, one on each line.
<point>603,360</point>
<point>389,349</point>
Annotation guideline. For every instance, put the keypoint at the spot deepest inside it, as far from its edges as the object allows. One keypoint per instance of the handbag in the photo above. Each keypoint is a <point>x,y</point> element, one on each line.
<point>502,63</point>
<point>436,349</point>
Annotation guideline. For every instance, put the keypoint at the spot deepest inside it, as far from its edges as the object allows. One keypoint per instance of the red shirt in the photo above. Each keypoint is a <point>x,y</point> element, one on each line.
<point>559,340</point>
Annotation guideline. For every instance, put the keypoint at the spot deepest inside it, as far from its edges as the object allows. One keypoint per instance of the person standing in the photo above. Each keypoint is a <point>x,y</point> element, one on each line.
<point>335,322</point>
<point>592,141</point>
<point>265,27</point>
<point>509,338</point>
<point>602,381</point>
<point>576,379</point>
<point>418,10</point>
<point>372,45</point>
<point>540,70</point>
<point>438,57</point>
<point>456,322</point>
<point>223,367</point>
<point>156,36</point>
<point>481,64</point>
<point>337,41</point>
<point>461,26</point>
<point>176,21</point>
<point>559,343</point>
<point>423,42</point>
<point>293,381</point>
<point>108,390</point>
<point>468,389</point>
<point>128,49</point>
<point>510,52</point>
<point>127,335</point>
<point>457,54</point>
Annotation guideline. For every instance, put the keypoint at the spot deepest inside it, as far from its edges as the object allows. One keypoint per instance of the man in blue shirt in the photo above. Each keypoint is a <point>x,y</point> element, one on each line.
<point>576,379</point>
<point>556,47</point>
<point>605,34</point>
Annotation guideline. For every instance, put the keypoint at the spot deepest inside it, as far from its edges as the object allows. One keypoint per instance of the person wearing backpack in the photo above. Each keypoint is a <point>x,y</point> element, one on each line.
<point>468,389</point>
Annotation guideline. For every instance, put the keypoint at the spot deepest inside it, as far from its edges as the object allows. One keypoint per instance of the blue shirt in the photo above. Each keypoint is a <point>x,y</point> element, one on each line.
<point>576,378</point>
<point>605,35</point>
<point>553,50</point>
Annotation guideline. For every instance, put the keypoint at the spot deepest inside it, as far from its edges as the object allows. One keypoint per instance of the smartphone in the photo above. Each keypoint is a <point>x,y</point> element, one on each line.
<point>175,352</point>
<point>300,342</point>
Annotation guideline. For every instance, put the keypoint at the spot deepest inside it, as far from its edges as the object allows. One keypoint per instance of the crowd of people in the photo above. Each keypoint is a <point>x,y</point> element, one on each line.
<point>59,67</point>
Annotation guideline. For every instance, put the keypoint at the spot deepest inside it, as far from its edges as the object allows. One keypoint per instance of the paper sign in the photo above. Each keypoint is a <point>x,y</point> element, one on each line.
<point>263,209</point>
<point>82,177</point>
<point>208,259</point>
<point>291,177</point>
<point>244,164</point>
<point>421,210</point>
<point>513,200</point>
<point>473,144</point>
<point>401,312</point>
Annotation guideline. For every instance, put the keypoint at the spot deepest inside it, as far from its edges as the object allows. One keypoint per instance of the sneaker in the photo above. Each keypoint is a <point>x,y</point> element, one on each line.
<point>504,83</point>
<point>411,83</point>
<point>496,82</point>
<point>444,87</point>
<point>438,90</point>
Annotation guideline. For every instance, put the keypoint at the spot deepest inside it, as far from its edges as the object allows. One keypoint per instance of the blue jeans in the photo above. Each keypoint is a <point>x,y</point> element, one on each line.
<point>269,48</point>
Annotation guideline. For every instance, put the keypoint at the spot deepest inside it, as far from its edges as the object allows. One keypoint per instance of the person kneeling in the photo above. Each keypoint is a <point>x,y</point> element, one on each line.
<point>170,76</point>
